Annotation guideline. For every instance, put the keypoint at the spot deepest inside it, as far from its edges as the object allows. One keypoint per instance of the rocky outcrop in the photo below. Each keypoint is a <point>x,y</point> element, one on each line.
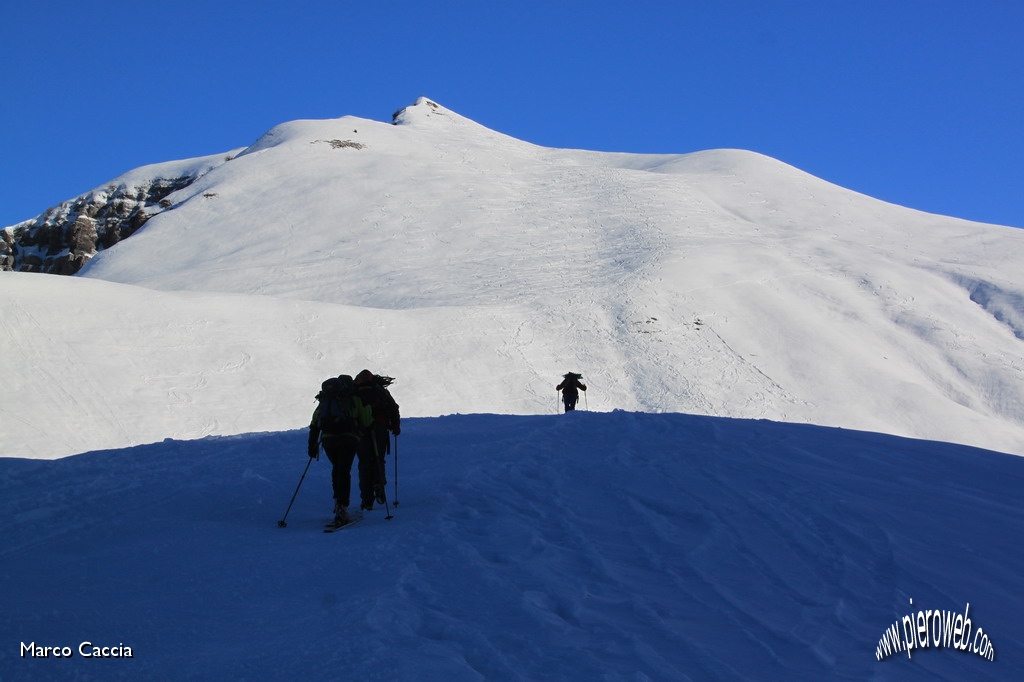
<point>64,238</point>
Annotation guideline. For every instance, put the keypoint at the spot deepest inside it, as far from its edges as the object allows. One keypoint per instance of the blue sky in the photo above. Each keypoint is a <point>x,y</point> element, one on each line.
<point>920,103</point>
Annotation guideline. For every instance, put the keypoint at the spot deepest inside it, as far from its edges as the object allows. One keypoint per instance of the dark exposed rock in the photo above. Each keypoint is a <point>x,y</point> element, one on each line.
<point>6,250</point>
<point>64,238</point>
<point>81,237</point>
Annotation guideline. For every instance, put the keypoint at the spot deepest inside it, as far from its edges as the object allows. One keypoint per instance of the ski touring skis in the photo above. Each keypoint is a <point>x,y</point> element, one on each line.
<point>333,527</point>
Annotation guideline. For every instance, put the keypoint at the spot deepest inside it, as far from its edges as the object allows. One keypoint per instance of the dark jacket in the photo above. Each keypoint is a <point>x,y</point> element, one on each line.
<point>570,387</point>
<point>380,401</point>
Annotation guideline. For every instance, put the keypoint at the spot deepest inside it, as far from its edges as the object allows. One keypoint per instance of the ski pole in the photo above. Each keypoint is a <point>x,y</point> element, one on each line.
<point>380,475</point>
<point>281,523</point>
<point>396,471</point>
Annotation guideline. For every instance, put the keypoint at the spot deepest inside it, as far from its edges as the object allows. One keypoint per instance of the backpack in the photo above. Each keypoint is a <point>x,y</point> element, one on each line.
<point>336,413</point>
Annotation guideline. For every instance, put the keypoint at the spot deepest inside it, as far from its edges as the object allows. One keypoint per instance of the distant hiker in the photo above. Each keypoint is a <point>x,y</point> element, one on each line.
<point>570,388</point>
<point>340,422</point>
<point>373,392</point>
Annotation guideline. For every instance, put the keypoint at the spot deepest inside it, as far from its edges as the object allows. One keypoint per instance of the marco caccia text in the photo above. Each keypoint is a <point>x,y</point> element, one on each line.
<point>85,650</point>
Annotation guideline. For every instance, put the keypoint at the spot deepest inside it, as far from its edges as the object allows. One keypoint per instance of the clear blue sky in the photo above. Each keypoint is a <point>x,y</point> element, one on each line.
<point>920,103</point>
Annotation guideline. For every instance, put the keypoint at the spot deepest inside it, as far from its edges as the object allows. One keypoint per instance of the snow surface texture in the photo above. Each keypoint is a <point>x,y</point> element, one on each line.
<point>478,268</point>
<point>616,546</point>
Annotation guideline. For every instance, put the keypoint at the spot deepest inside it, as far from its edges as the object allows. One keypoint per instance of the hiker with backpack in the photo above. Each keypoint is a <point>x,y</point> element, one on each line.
<point>339,424</point>
<point>570,388</point>
<point>373,392</point>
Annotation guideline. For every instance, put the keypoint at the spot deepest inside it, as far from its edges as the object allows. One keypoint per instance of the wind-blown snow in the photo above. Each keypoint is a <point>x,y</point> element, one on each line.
<point>695,520</point>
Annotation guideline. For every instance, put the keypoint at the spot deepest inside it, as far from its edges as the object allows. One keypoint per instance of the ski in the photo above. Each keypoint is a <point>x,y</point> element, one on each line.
<point>333,527</point>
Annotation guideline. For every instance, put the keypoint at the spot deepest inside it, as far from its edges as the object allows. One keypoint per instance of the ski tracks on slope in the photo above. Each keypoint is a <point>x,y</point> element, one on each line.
<point>647,348</point>
<point>652,542</point>
<point>29,328</point>
<point>512,527</point>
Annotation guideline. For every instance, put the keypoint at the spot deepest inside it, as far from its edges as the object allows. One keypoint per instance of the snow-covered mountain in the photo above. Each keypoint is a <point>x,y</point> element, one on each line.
<point>64,238</point>
<point>179,369</point>
<point>478,268</point>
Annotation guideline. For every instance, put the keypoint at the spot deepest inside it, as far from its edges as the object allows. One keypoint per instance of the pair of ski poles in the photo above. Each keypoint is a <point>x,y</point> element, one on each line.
<point>380,463</point>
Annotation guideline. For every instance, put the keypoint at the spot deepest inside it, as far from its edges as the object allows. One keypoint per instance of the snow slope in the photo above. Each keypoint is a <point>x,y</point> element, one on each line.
<point>478,268</point>
<point>588,546</point>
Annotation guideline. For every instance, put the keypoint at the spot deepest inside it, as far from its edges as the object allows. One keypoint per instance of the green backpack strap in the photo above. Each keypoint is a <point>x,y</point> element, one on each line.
<point>362,413</point>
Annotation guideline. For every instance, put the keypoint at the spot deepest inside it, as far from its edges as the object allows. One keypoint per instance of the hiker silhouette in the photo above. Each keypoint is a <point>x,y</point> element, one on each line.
<point>570,388</point>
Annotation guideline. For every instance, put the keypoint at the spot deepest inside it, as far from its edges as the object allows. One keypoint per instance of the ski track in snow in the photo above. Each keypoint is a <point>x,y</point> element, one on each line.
<point>582,546</point>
